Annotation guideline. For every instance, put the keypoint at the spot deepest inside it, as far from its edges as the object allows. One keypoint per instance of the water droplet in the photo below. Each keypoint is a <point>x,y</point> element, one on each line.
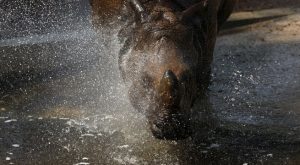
<point>16,145</point>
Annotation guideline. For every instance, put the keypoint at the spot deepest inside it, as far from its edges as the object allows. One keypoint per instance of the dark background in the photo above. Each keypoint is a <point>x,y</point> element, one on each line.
<point>20,18</point>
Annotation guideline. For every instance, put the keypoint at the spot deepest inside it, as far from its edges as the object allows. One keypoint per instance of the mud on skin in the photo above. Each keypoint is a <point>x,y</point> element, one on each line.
<point>166,56</point>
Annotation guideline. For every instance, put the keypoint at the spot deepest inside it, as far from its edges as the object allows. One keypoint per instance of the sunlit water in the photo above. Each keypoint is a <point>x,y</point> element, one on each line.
<point>74,110</point>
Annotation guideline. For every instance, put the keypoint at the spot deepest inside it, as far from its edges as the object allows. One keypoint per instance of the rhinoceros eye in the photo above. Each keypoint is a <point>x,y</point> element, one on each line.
<point>146,80</point>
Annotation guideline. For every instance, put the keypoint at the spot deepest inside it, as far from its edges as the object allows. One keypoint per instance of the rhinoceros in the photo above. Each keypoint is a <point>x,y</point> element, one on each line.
<point>166,55</point>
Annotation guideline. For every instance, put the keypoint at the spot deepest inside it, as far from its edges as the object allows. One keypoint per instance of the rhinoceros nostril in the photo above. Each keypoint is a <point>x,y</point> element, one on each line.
<point>159,124</point>
<point>155,128</point>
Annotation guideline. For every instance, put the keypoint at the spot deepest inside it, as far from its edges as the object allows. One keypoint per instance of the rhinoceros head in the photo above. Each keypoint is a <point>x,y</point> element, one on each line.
<point>163,61</point>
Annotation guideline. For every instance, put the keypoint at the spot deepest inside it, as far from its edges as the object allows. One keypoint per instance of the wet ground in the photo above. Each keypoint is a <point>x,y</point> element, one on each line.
<point>62,100</point>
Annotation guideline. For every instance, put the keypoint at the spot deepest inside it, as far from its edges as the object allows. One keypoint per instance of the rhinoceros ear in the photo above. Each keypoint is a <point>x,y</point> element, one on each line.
<point>194,9</point>
<point>140,9</point>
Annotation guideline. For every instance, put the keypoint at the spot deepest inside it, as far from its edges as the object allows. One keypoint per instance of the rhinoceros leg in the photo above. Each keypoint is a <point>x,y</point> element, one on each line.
<point>225,10</point>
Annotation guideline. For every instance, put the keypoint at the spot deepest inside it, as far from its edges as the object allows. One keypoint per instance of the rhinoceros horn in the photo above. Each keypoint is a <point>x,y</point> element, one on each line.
<point>169,92</point>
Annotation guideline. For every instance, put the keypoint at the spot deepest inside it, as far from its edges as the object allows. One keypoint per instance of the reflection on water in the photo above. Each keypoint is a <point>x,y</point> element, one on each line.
<point>80,114</point>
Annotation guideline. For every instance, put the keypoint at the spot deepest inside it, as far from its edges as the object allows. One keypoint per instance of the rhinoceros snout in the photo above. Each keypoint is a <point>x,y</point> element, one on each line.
<point>169,120</point>
<point>172,127</point>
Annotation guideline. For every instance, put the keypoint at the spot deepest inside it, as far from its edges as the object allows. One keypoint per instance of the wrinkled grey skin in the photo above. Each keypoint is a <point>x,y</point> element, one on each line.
<point>166,57</point>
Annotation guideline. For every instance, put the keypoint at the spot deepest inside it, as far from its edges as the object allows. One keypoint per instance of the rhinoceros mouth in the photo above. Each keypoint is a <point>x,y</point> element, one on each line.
<point>172,127</point>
